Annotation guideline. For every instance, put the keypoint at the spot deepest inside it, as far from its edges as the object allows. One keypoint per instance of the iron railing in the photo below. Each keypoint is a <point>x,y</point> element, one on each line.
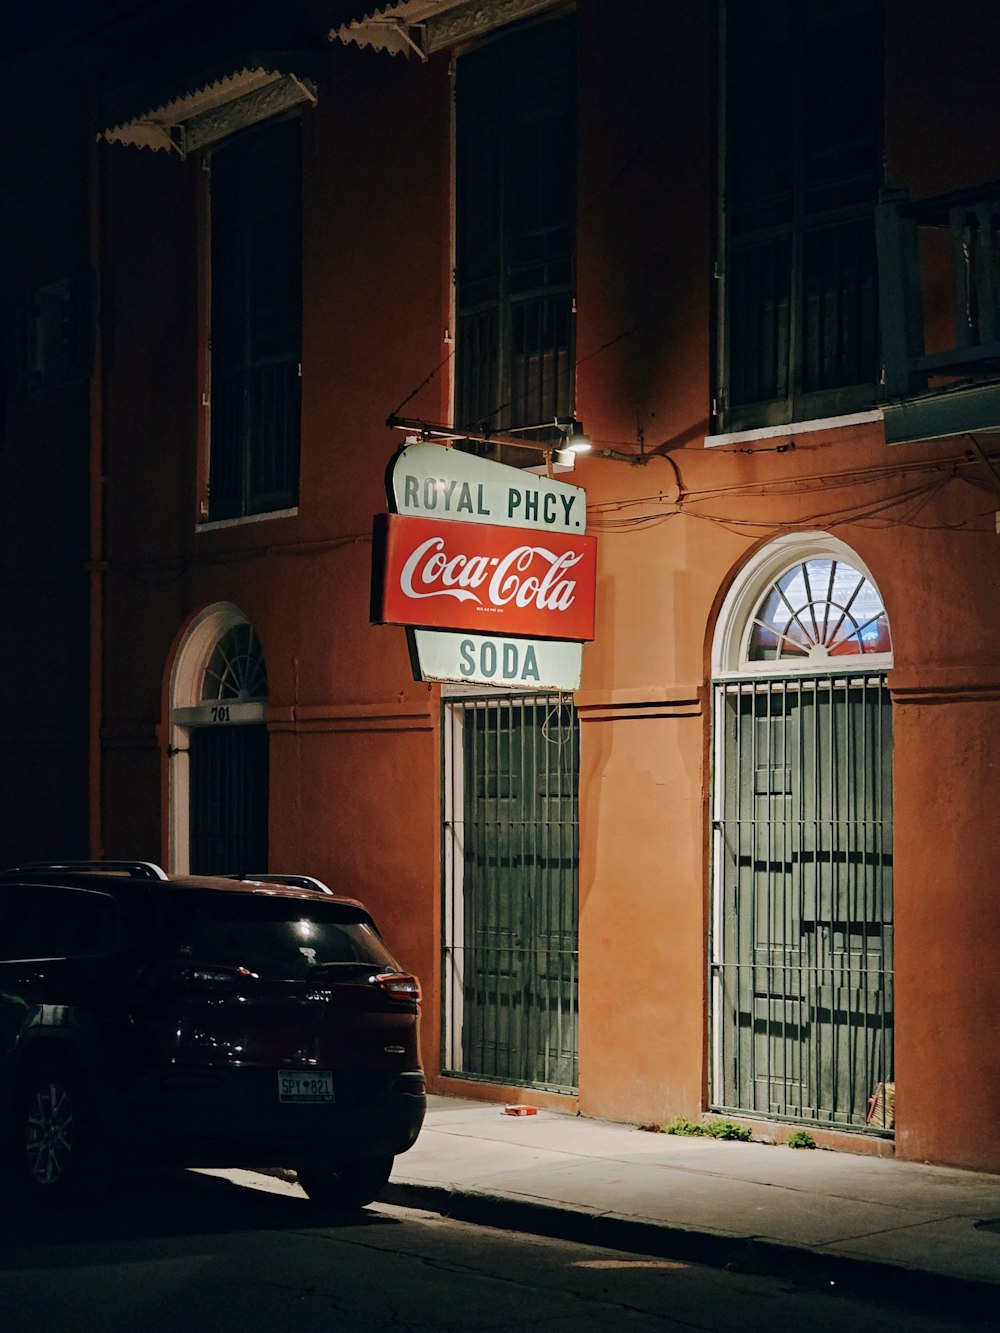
<point>939,275</point>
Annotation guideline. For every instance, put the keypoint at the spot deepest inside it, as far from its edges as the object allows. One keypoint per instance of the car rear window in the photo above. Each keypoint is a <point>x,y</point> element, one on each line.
<point>42,921</point>
<point>272,937</point>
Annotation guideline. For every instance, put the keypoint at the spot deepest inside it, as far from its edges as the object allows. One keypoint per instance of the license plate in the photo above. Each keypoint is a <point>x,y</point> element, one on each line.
<point>305,1085</point>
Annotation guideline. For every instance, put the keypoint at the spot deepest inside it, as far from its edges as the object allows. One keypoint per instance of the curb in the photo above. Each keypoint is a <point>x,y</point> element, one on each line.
<point>865,1279</point>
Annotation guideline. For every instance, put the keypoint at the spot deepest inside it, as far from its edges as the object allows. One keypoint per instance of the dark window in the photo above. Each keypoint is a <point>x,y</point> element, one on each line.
<point>803,151</point>
<point>256,321</point>
<point>39,921</point>
<point>515,242</point>
<point>62,332</point>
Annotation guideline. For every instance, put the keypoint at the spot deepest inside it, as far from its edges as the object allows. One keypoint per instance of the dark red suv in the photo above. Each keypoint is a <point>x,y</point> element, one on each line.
<point>202,1022</point>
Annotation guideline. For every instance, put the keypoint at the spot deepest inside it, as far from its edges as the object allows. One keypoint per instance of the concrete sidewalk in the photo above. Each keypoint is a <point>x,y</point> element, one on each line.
<point>899,1230</point>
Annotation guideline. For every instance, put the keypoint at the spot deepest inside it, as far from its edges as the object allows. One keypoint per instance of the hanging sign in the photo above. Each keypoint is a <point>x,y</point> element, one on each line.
<point>477,659</point>
<point>488,579</point>
<point>459,490</point>
<point>434,482</point>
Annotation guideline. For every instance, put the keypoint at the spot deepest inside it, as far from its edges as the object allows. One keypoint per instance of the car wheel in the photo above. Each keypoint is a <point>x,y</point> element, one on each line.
<point>349,1185</point>
<point>52,1137</point>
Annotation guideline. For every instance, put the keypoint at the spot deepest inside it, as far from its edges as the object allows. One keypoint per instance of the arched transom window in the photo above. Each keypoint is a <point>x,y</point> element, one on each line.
<point>804,603</point>
<point>220,673</point>
<point>818,609</point>
<point>236,668</point>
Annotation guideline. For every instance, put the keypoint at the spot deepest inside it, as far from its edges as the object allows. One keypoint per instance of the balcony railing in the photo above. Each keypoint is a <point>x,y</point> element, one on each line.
<point>939,293</point>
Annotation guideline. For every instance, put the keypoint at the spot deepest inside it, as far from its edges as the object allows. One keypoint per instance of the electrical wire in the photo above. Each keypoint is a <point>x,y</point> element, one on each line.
<point>857,513</point>
<point>611,516</point>
<point>162,572</point>
<point>425,381</point>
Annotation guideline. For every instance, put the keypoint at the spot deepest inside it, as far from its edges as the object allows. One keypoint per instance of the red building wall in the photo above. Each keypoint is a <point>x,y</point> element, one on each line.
<point>355,742</point>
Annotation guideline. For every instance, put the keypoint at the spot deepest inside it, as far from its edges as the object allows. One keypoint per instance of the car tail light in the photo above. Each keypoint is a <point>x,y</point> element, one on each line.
<point>401,985</point>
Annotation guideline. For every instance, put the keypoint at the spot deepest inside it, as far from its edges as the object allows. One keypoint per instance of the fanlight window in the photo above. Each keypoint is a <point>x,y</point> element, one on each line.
<point>816,610</point>
<point>236,668</point>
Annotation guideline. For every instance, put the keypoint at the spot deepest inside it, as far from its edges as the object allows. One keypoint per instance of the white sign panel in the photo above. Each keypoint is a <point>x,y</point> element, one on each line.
<point>433,482</point>
<point>474,659</point>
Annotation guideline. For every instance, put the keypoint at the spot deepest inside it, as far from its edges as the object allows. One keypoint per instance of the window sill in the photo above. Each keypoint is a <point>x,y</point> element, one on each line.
<point>794,428</point>
<point>213,525</point>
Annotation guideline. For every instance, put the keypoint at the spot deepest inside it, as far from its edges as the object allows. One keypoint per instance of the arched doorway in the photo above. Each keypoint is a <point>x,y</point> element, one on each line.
<point>219,747</point>
<point>801,966</point>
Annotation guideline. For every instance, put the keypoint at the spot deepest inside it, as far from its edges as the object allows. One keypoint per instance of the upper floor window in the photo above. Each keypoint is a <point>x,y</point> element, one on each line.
<point>515,229</point>
<point>803,149</point>
<point>61,334</point>
<point>256,321</point>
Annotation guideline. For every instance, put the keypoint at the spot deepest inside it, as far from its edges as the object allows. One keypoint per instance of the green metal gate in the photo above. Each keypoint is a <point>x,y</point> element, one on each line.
<point>511,768</point>
<point>802,932</point>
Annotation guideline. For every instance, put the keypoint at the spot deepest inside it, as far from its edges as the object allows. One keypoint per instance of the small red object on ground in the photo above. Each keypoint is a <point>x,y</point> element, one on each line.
<point>517,1108</point>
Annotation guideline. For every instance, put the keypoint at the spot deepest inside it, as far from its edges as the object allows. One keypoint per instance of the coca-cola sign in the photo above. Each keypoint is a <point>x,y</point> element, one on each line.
<point>487,578</point>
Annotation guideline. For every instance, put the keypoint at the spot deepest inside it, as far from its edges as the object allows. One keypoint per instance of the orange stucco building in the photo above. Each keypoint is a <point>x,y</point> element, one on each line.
<point>745,867</point>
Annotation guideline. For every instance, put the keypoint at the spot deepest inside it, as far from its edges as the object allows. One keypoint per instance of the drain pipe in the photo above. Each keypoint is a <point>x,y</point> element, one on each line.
<point>95,565</point>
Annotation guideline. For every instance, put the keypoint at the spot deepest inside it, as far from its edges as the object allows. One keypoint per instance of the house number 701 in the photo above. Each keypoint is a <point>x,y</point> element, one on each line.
<point>220,712</point>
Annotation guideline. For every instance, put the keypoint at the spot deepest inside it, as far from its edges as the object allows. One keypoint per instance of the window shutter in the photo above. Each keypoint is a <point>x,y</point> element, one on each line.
<point>256,321</point>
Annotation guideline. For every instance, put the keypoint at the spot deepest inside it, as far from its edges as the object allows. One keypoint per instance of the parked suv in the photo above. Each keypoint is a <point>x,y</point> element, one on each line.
<point>204,1022</point>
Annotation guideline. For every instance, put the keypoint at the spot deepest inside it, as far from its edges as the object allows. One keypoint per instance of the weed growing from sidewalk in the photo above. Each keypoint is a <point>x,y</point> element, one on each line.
<point>714,1129</point>
<point>727,1129</point>
<point>679,1125</point>
<point>800,1138</point>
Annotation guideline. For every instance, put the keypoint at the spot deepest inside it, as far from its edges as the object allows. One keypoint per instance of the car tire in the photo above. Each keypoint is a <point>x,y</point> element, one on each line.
<point>52,1131</point>
<point>348,1185</point>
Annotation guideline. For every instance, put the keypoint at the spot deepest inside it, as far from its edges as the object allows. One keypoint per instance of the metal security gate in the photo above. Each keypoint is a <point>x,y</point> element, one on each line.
<point>229,775</point>
<point>510,964</point>
<point>802,930</point>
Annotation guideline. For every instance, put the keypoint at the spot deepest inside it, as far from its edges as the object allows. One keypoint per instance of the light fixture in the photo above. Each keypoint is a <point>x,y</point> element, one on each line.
<point>563,451</point>
<point>575,438</point>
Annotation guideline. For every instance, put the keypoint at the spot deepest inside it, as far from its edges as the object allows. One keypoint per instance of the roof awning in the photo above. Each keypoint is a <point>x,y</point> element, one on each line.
<point>195,109</point>
<point>958,409</point>
<point>423,26</point>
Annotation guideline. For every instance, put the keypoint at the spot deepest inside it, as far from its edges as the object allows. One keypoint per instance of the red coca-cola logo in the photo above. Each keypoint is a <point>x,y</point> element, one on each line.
<point>490,579</point>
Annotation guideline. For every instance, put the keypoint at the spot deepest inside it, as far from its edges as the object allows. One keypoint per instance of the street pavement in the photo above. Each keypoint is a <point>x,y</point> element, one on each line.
<point>929,1235</point>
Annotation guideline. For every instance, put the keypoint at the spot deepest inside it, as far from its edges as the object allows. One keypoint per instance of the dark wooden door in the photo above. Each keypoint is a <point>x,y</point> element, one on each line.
<point>229,787</point>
